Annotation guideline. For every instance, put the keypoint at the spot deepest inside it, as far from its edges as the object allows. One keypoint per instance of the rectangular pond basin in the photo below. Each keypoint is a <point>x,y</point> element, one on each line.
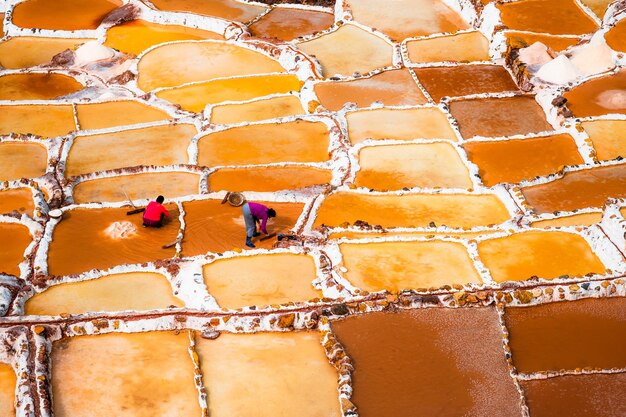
<point>428,234</point>
<point>261,280</point>
<point>287,24</point>
<point>17,200</point>
<point>22,160</point>
<point>63,14</point>
<point>568,335</point>
<point>27,51</point>
<point>397,266</point>
<point>117,113</point>
<point>608,138</point>
<point>267,179</point>
<point>255,111</point>
<point>585,219</point>
<point>525,39</point>
<point>463,47</point>
<point>124,375</point>
<point>37,86</point>
<point>427,362</point>
<point>268,375</point>
<point>16,238</point>
<point>38,119</point>
<point>8,382</point>
<point>604,95</point>
<point>226,9</point>
<point>558,17</point>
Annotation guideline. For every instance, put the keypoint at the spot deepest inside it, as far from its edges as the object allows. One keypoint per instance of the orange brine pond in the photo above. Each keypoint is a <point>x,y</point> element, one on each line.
<point>137,186</point>
<point>391,88</point>
<point>37,119</point>
<point>226,9</point>
<point>397,266</point>
<point>256,111</point>
<point>512,161</point>
<point>558,17</point>
<point>412,210</point>
<point>604,95</point>
<point>8,382</point>
<point>267,375</point>
<point>63,14</point>
<point>491,117</point>
<point>157,145</point>
<point>392,353</point>
<point>214,227</point>
<point>599,7</point>
<point>195,97</point>
<point>596,395</point>
<point>261,280</point>
<point>401,124</point>
<point>129,375</point>
<point>608,138</point>
<point>545,255</point>
<point>26,51</point>
<point>175,64</point>
<point>464,47</point>
<point>18,200</point>
<point>37,86</point>
<point>387,234</point>
<point>22,160</point>
<point>349,50</point>
<point>117,292</point>
<point>464,80</point>
<point>426,165</point>
<point>585,219</point>
<point>267,179</point>
<point>11,255</point>
<point>117,113</point>
<point>136,36</point>
<point>616,37</point>
<point>549,337</point>
<point>524,39</point>
<point>86,239</point>
<point>289,23</point>
<point>298,141</point>
<point>576,190</point>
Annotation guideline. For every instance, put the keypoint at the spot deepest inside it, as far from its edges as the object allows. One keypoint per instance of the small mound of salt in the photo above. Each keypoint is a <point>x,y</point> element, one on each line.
<point>121,230</point>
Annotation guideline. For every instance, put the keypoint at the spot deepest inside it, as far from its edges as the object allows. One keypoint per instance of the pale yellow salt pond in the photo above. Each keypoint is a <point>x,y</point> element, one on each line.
<point>463,47</point>
<point>401,124</point>
<point>267,179</point>
<point>26,51</point>
<point>124,375</point>
<point>138,35</point>
<point>268,375</point>
<point>37,119</point>
<point>226,9</point>
<point>195,97</point>
<point>412,210</point>
<point>349,49</point>
<point>608,137</point>
<point>397,266</point>
<point>584,219</point>
<point>137,186</point>
<point>37,86</point>
<point>157,145</point>
<point>401,19</point>
<point>545,255</point>
<point>256,111</point>
<point>261,280</point>
<point>426,165</point>
<point>175,64</point>
<point>117,113</point>
<point>17,199</point>
<point>22,160</point>
<point>8,382</point>
<point>117,292</point>
<point>299,141</point>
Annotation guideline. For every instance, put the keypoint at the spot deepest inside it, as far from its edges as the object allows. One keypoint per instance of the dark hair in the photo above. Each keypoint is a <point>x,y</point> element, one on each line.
<point>271,212</point>
<point>160,199</point>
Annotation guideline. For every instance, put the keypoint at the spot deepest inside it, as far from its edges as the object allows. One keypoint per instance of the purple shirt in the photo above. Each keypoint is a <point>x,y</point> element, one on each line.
<point>259,212</point>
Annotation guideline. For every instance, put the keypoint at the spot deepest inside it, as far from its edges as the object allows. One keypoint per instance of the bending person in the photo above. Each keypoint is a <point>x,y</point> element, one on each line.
<point>254,213</point>
<point>155,212</point>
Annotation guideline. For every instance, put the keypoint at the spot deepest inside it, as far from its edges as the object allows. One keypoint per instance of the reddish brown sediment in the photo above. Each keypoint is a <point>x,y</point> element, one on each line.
<point>16,238</point>
<point>63,14</point>
<point>557,17</point>
<point>287,24</point>
<point>604,95</point>
<point>568,335</point>
<point>18,200</point>
<point>267,179</point>
<point>37,86</point>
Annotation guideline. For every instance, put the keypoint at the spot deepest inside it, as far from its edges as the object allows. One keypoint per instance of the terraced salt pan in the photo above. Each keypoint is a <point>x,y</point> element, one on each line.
<point>153,375</point>
<point>63,14</point>
<point>18,199</point>
<point>268,374</point>
<point>545,255</point>
<point>599,96</point>
<point>397,266</point>
<point>297,141</point>
<point>463,47</point>
<point>225,9</point>
<point>616,36</point>
<point>555,42</point>
<point>584,219</point>
<point>401,124</point>
<point>116,113</point>
<point>137,186</point>
<point>261,280</point>
<point>8,382</point>
<point>608,137</point>
<point>80,242</point>
<point>26,51</point>
<point>256,111</point>
<point>376,234</point>
<point>267,179</point>
<point>557,17</point>
<point>412,210</point>
<point>17,237</point>
<point>348,50</point>
<point>37,86</point>
<point>37,119</point>
<point>157,145</point>
<point>286,23</point>
<point>391,88</point>
<point>549,337</point>
<point>425,165</point>
<point>174,64</point>
<point>22,160</point>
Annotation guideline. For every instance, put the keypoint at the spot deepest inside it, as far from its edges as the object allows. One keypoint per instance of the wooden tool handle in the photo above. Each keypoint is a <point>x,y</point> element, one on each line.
<point>271,235</point>
<point>135,211</point>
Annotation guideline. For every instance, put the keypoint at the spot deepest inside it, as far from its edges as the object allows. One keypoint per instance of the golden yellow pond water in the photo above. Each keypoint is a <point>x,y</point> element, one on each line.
<point>558,17</point>
<point>608,137</point>
<point>226,9</point>
<point>37,86</point>
<point>256,111</point>
<point>26,51</point>
<point>11,255</point>
<point>464,47</point>
<point>18,199</point>
<point>267,179</point>
<point>116,113</point>
<point>8,383</point>
<point>22,160</point>
<point>585,219</point>
<point>616,37</point>
<point>63,14</point>
<point>37,119</point>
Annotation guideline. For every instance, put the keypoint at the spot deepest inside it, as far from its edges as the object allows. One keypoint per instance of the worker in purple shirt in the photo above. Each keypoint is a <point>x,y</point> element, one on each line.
<point>254,213</point>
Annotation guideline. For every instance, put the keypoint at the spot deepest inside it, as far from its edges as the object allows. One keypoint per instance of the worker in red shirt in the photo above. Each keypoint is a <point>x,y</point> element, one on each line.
<point>155,212</point>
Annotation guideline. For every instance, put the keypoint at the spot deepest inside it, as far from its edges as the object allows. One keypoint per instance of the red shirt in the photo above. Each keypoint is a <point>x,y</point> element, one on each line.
<point>154,210</point>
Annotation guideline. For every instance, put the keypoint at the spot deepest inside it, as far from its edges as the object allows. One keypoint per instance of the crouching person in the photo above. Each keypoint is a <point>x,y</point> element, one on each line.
<point>155,213</point>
